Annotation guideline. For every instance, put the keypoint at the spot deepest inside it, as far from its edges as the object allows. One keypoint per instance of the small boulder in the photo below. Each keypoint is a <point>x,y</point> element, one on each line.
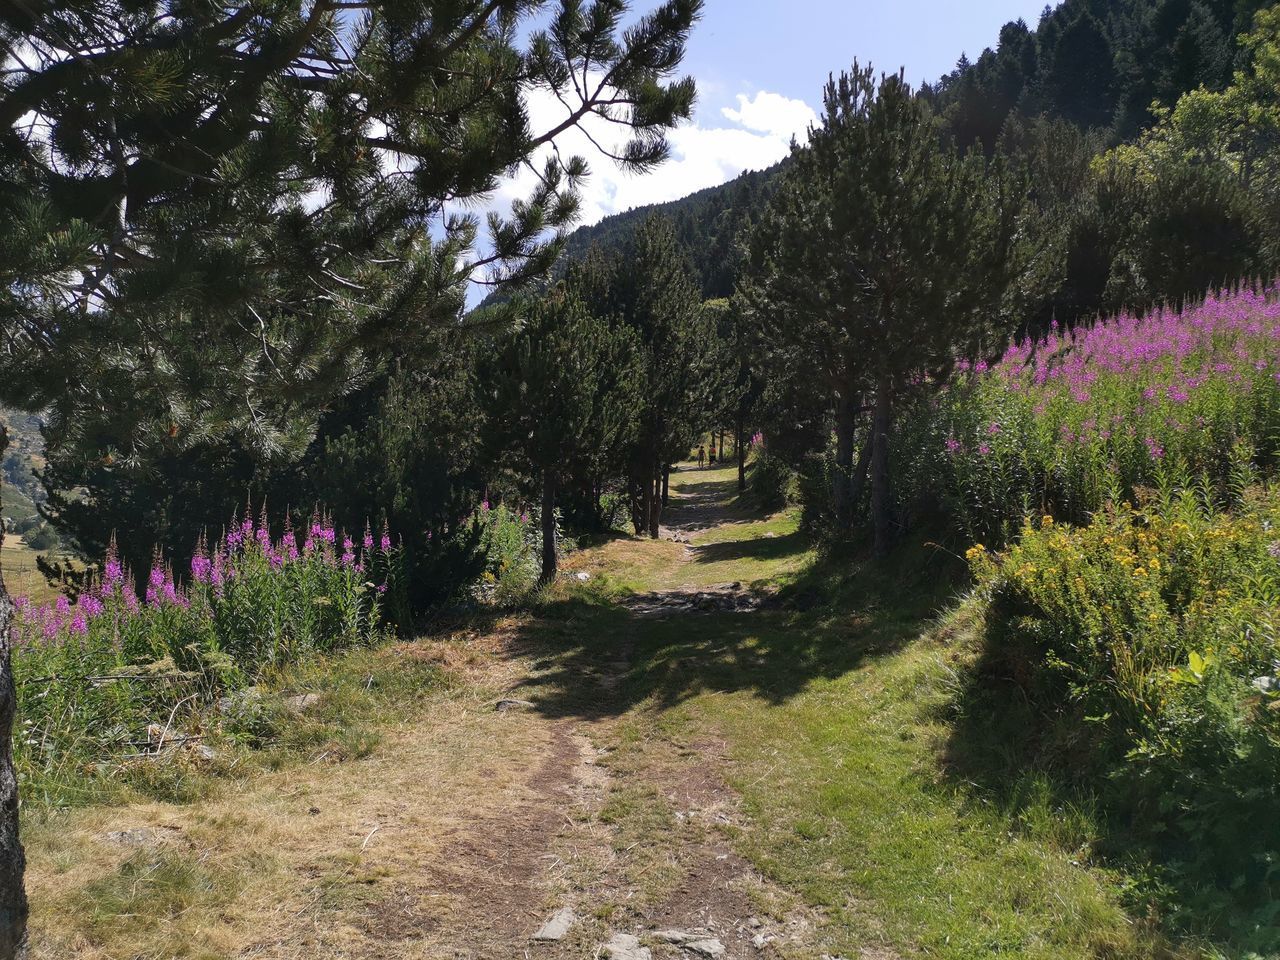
<point>681,936</point>
<point>707,948</point>
<point>502,706</point>
<point>623,946</point>
<point>557,925</point>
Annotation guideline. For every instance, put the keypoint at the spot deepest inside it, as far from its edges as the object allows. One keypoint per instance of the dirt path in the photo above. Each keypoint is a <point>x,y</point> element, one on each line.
<point>471,824</point>
<point>635,841</point>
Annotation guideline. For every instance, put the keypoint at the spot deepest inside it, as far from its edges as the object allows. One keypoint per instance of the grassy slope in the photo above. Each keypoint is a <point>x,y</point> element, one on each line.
<point>21,577</point>
<point>837,723</point>
<point>833,723</point>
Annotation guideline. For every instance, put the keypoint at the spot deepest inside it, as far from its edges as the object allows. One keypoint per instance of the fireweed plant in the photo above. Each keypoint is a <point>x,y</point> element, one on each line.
<point>108,675</point>
<point>510,540</point>
<point>1130,467</point>
<point>1079,419</point>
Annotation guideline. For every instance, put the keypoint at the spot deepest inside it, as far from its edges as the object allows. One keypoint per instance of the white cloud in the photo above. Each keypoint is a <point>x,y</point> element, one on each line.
<point>773,114</point>
<point>758,134</point>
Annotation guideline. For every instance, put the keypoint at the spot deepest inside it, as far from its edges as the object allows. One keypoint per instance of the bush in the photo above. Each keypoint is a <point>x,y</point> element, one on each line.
<point>772,481</point>
<point>1072,422</point>
<point>1150,639</point>
<point>108,674</point>
<point>510,543</point>
<point>40,536</point>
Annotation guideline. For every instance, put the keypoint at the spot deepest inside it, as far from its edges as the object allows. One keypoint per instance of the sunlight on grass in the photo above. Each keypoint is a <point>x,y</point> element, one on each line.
<point>21,576</point>
<point>837,724</point>
<point>728,541</point>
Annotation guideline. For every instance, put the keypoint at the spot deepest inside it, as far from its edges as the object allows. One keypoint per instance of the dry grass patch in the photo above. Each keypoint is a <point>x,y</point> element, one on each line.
<point>319,857</point>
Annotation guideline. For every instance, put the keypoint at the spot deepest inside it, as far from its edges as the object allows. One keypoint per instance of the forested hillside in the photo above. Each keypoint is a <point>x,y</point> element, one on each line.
<point>708,224</point>
<point>1098,65</point>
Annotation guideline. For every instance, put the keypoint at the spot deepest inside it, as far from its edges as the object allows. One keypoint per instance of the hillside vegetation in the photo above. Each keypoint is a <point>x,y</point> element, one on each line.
<point>877,556</point>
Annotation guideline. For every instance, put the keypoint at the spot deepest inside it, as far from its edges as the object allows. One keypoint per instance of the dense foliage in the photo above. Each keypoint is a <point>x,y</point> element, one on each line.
<point>218,223</point>
<point>564,392</point>
<point>1078,419</point>
<point>1147,643</point>
<point>885,257</point>
<point>650,291</point>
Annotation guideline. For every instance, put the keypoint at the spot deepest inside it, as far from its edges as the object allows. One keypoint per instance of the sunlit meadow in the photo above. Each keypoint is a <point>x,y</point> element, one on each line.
<point>1067,423</point>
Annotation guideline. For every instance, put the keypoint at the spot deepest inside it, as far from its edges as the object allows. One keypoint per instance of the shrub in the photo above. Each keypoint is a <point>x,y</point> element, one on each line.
<point>1150,638</point>
<point>1069,423</point>
<point>510,543</point>
<point>772,481</point>
<point>109,674</point>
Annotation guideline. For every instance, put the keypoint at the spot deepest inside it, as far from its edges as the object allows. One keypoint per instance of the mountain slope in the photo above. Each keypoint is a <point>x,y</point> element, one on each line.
<point>1094,63</point>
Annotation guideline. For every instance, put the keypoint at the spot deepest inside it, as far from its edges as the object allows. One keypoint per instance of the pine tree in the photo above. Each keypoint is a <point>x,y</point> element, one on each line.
<point>651,288</point>
<point>1080,77</point>
<point>887,258</point>
<point>561,392</point>
<point>215,219</point>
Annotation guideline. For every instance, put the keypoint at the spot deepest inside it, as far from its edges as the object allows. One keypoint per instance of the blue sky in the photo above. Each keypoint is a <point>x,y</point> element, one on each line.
<point>790,47</point>
<point>760,66</point>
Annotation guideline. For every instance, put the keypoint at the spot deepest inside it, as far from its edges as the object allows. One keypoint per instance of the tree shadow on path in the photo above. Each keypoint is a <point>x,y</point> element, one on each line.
<point>594,658</point>
<point>757,548</point>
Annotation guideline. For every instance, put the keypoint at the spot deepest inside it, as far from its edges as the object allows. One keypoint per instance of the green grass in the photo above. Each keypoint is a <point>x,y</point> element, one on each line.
<point>147,896</point>
<point>739,546</point>
<point>358,691</point>
<point>21,576</point>
<point>839,717</point>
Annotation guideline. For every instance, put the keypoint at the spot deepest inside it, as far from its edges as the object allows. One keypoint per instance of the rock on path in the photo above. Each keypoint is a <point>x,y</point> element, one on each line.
<point>728,597</point>
<point>557,925</point>
<point>623,946</point>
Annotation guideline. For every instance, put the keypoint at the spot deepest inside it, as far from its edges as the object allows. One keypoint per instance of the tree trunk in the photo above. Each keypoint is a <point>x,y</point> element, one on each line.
<point>840,493</point>
<point>740,449</point>
<point>881,492</point>
<point>655,501</point>
<point>859,479</point>
<point>13,898</point>
<point>548,527</point>
<point>646,504</point>
<point>666,484</point>
<point>722,444</point>
<point>639,505</point>
<point>595,492</point>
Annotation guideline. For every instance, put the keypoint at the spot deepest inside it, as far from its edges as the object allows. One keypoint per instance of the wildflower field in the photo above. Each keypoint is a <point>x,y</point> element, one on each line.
<point>1118,486</point>
<point>1078,419</point>
<point>114,674</point>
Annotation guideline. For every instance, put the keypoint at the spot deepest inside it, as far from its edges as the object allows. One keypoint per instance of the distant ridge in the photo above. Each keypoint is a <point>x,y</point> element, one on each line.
<point>1095,63</point>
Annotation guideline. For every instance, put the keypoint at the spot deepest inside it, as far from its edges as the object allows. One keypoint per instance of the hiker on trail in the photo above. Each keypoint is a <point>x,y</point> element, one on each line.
<point>702,457</point>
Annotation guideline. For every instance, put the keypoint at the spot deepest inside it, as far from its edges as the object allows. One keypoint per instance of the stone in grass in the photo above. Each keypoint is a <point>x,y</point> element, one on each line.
<point>557,925</point>
<point>502,706</point>
<point>707,948</point>
<point>137,837</point>
<point>623,946</point>
<point>302,702</point>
